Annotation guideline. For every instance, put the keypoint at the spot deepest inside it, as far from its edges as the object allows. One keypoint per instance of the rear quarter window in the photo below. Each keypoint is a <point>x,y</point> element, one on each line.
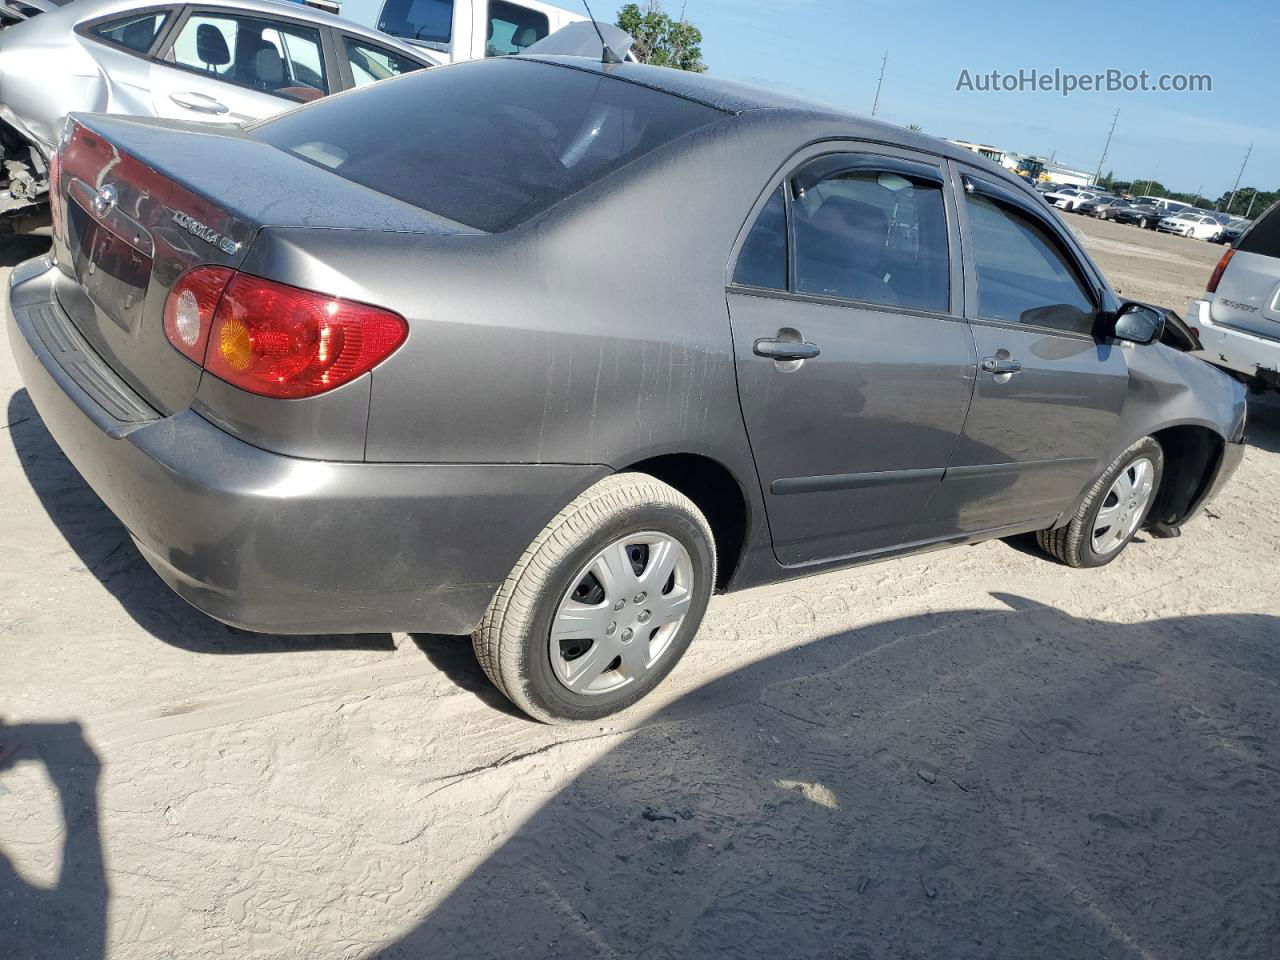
<point>490,143</point>
<point>1264,238</point>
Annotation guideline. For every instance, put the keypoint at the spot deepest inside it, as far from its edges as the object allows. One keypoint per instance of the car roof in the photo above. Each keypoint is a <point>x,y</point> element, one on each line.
<point>733,97</point>
<point>84,10</point>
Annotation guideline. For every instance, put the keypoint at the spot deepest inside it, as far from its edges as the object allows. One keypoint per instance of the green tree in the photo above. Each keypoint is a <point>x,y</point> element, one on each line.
<point>661,40</point>
<point>915,128</point>
<point>1248,201</point>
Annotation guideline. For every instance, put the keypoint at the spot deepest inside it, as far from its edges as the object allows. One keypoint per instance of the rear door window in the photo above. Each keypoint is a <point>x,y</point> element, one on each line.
<point>490,144</point>
<point>874,236</point>
<point>1264,238</point>
<point>763,259</point>
<point>429,20</point>
<point>270,56</point>
<point>512,28</point>
<point>371,63</point>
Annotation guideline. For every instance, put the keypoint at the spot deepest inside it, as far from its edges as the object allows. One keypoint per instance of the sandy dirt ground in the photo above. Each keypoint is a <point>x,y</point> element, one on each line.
<point>976,753</point>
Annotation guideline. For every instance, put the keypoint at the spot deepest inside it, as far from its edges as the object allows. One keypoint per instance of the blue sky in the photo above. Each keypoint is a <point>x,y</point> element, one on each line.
<point>830,50</point>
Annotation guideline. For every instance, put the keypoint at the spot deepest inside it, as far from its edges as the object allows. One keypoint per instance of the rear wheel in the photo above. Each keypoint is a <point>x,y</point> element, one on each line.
<point>1142,222</point>
<point>603,603</point>
<point>1112,511</point>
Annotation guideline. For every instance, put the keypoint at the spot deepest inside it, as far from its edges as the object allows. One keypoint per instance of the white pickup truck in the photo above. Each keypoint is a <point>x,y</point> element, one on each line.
<point>462,29</point>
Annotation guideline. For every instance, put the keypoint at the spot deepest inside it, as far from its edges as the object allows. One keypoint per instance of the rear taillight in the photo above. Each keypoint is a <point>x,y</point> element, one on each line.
<point>188,313</point>
<point>281,341</point>
<point>1216,277</point>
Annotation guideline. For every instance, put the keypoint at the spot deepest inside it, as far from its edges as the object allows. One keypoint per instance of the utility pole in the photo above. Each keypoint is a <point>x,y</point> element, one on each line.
<point>1106,147</point>
<point>876,103</point>
<point>1238,176</point>
<point>1252,198</point>
<point>1150,180</point>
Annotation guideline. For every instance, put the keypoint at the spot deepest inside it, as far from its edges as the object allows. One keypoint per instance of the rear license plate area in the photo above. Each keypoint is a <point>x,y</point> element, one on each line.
<point>112,273</point>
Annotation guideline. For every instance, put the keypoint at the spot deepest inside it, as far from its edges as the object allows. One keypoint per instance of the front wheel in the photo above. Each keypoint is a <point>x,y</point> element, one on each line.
<point>1112,510</point>
<point>1143,223</point>
<point>603,604</point>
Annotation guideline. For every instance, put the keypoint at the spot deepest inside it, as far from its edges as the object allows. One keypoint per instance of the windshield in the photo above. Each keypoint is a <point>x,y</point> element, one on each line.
<point>430,20</point>
<point>489,143</point>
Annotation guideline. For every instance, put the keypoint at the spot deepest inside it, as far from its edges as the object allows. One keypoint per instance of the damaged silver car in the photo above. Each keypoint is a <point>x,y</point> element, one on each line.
<point>221,61</point>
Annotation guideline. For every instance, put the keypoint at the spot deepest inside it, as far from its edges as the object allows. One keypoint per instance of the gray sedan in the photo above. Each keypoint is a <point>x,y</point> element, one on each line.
<point>221,60</point>
<point>577,345</point>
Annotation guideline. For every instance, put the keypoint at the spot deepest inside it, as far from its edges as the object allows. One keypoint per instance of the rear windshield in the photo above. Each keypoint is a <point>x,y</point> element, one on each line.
<point>488,144</point>
<point>1264,237</point>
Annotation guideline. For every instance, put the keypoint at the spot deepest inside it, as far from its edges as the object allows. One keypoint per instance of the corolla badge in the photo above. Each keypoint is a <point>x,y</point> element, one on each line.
<point>104,200</point>
<point>205,233</point>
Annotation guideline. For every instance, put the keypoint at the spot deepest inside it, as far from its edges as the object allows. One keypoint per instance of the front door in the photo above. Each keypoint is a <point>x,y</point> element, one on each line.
<point>854,366</point>
<point>1049,393</point>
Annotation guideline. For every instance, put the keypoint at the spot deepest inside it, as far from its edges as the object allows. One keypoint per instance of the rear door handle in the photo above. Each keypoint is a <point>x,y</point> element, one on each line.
<point>999,365</point>
<point>200,102</point>
<point>786,349</point>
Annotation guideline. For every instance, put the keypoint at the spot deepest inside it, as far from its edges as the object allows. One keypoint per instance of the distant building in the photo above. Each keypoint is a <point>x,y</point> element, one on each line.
<point>1037,168</point>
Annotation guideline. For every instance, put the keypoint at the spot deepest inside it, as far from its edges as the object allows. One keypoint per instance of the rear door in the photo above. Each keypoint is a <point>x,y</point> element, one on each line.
<point>227,65</point>
<point>855,366</point>
<point>1248,296</point>
<point>1048,395</point>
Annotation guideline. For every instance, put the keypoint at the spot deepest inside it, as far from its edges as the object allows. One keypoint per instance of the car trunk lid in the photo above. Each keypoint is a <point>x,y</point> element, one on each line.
<point>142,201</point>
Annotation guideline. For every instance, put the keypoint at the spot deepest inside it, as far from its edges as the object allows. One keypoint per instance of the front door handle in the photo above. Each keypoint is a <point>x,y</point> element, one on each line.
<point>200,102</point>
<point>786,349</point>
<point>1001,365</point>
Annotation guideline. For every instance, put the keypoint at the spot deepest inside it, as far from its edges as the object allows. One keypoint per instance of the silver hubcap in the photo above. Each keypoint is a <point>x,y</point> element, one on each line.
<point>620,616</point>
<point>1124,506</point>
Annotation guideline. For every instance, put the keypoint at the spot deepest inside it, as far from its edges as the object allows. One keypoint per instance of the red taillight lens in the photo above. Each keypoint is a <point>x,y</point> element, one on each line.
<point>1216,277</point>
<point>280,341</point>
<point>188,312</point>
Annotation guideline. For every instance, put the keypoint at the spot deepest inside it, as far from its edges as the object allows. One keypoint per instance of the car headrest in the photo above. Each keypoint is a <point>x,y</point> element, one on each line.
<point>524,37</point>
<point>269,67</point>
<point>211,46</point>
<point>853,231</point>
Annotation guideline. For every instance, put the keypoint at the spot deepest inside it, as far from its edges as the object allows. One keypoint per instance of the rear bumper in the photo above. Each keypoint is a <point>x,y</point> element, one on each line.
<point>277,544</point>
<point>1231,349</point>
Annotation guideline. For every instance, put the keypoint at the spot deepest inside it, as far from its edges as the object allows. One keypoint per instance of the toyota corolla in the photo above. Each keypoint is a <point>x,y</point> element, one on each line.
<point>547,351</point>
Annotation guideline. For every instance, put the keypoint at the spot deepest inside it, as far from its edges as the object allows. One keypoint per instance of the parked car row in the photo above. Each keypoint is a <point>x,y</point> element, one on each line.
<point>1149,213</point>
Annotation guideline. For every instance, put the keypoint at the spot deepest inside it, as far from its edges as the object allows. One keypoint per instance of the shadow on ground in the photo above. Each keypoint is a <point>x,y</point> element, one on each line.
<point>104,547</point>
<point>68,918</point>
<point>972,784</point>
<point>1263,429</point>
<point>16,248</point>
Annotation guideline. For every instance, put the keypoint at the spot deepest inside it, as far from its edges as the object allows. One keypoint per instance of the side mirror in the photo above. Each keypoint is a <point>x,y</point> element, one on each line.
<point>1138,323</point>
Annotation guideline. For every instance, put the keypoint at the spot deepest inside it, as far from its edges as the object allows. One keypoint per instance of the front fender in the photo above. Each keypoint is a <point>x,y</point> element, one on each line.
<point>1167,389</point>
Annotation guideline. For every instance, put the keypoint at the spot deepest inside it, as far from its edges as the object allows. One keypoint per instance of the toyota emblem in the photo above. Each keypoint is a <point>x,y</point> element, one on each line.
<point>105,200</point>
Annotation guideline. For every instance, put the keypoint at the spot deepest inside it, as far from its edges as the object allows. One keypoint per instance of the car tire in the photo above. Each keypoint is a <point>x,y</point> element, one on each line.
<point>1142,222</point>
<point>619,527</point>
<point>1088,540</point>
